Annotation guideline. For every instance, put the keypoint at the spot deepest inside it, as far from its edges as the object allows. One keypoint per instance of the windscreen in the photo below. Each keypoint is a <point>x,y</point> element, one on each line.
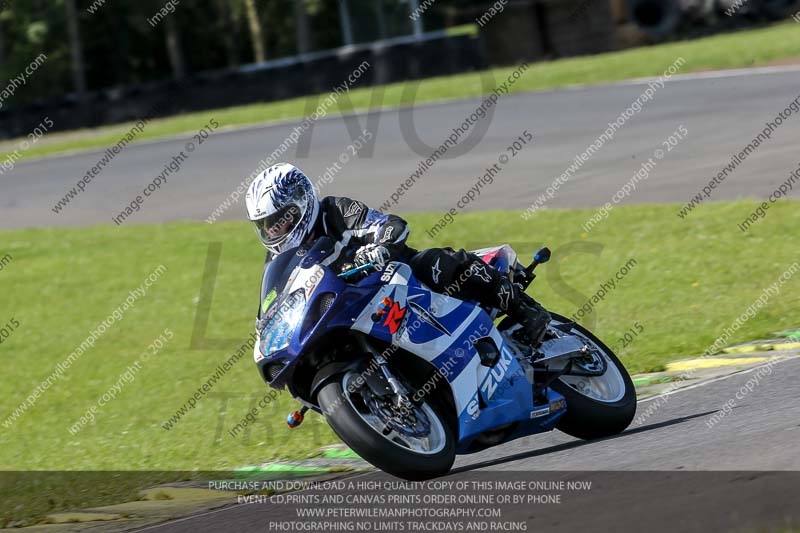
<point>276,274</point>
<point>278,271</point>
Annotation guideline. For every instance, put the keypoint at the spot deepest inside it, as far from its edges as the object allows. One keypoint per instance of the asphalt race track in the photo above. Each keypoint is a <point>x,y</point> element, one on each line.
<point>722,112</point>
<point>671,472</point>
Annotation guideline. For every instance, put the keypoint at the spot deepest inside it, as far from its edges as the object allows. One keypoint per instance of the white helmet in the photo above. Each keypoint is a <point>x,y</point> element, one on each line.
<point>283,205</point>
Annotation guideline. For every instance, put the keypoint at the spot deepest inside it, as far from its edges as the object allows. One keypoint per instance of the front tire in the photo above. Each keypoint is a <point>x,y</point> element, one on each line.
<point>590,414</point>
<point>355,421</point>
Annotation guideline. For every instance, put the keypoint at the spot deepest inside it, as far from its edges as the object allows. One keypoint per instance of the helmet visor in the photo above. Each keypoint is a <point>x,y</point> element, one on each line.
<point>275,228</point>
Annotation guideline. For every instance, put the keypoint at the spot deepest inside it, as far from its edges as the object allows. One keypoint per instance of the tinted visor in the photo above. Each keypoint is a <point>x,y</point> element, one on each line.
<point>275,228</point>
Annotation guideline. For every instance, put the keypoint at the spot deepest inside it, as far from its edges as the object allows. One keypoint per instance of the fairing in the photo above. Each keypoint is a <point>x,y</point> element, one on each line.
<point>434,327</point>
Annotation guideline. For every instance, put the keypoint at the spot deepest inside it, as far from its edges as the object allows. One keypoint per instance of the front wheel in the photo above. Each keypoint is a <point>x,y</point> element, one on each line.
<point>413,442</point>
<point>597,406</point>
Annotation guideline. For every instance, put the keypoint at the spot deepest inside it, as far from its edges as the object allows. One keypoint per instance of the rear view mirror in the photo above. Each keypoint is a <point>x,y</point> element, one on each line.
<point>542,256</point>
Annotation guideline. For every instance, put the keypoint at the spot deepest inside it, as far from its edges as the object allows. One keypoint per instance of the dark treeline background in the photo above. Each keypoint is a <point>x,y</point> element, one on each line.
<point>96,44</point>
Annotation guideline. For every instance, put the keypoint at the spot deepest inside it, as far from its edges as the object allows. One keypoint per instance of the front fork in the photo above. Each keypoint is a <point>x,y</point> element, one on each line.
<point>380,385</point>
<point>399,390</point>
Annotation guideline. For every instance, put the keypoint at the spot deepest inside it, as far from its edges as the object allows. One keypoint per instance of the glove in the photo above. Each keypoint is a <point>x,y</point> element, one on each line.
<point>372,253</point>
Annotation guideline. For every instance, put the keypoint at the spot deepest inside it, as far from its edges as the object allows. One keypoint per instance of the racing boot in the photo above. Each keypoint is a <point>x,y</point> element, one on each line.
<point>525,311</point>
<point>492,289</point>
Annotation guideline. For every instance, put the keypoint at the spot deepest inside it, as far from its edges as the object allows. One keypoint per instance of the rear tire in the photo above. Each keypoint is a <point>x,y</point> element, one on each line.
<point>377,449</point>
<point>588,418</point>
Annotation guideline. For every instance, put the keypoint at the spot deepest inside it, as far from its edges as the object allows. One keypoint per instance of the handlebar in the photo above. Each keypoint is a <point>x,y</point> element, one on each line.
<point>356,270</point>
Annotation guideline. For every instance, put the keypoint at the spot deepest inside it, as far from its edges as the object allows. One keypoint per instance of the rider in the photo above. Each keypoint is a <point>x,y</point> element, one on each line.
<point>283,206</point>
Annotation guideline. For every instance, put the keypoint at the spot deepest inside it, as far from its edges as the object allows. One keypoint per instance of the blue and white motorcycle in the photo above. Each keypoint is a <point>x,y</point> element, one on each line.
<point>408,378</point>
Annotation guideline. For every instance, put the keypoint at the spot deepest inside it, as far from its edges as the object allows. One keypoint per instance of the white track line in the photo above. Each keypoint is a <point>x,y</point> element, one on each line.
<point>714,380</point>
<point>710,75</point>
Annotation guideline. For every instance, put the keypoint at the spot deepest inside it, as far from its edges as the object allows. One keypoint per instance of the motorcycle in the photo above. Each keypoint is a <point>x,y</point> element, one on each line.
<point>408,378</point>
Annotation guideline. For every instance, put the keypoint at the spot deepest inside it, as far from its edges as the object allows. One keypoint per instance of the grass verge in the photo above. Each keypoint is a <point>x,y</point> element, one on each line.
<point>690,281</point>
<point>730,50</point>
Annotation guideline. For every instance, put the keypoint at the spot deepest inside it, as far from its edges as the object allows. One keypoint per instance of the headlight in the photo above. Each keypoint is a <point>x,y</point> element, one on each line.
<point>281,323</point>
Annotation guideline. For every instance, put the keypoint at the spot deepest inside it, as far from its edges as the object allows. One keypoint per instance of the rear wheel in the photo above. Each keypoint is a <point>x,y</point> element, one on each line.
<point>597,406</point>
<point>412,442</point>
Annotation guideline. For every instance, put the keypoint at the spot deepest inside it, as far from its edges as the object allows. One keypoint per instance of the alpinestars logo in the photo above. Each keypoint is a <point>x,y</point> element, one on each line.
<point>505,295</point>
<point>387,235</point>
<point>353,210</point>
<point>479,269</point>
<point>435,271</point>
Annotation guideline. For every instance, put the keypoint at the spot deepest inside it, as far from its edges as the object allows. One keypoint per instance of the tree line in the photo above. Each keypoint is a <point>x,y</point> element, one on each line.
<point>99,44</point>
